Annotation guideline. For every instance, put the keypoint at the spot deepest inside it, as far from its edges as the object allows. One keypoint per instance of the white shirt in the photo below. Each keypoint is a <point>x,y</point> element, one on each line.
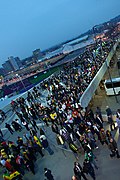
<point>63,107</point>
<point>3,162</point>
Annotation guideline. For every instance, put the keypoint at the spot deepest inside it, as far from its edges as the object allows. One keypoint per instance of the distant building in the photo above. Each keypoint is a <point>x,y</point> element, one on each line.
<point>12,64</point>
<point>37,54</point>
<point>27,61</point>
<point>19,62</point>
<point>2,71</point>
<point>7,66</point>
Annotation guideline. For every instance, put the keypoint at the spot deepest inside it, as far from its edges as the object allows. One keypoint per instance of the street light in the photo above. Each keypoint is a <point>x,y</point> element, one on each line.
<point>21,81</point>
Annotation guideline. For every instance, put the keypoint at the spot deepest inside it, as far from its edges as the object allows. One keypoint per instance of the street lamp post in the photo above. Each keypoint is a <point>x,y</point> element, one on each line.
<point>21,81</point>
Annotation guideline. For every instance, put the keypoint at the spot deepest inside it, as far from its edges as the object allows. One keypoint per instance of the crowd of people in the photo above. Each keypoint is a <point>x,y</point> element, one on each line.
<point>75,128</point>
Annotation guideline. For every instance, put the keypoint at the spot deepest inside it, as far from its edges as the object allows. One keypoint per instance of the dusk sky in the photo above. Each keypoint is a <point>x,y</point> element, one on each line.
<point>26,25</point>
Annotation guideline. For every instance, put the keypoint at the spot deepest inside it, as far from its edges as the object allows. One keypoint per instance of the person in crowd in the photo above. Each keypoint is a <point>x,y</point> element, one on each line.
<point>91,158</point>
<point>103,138</point>
<point>73,126</point>
<point>91,139</point>
<point>110,118</point>
<point>38,145</point>
<point>42,132</point>
<point>98,111</point>
<point>78,171</point>
<point>3,115</point>
<point>16,125</point>
<point>88,169</point>
<point>108,135</point>
<point>99,121</point>
<point>48,174</point>
<point>34,125</point>
<point>55,128</point>
<point>46,145</point>
<point>118,113</point>
<point>32,132</point>
<point>113,148</point>
<point>9,128</point>
<point>118,122</point>
<point>25,124</point>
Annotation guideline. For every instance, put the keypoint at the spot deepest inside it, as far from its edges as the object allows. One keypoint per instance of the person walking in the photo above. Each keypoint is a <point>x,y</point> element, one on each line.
<point>25,124</point>
<point>118,113</point>
<point>78,171</point>
<point>32,132</point>
<point>34,125</point>
<point>91,158</point>
<point>38,145</point>
<point>98,111</point>
<point>99,121</point>
<point>38,149</point>
<point>46,146</point>
<point>16,125</point>
<point>110,119</point>
<point>42,132</point>
<point>88,169</point>
<point>103,138</point>
<point>48,174</point>
<point>108,111</point>
<point>9,128</point>
<point>108,135</point>
<point>55,128</point>
<point>113,148</point>
<point>30,166</point>
<point>118,123</point>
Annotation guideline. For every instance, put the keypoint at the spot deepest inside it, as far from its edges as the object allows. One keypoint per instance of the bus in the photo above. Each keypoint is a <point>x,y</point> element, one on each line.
<point>109,86</point>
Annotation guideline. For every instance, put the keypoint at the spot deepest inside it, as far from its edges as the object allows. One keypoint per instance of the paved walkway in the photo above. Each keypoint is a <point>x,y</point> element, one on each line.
<point>61,162</point>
